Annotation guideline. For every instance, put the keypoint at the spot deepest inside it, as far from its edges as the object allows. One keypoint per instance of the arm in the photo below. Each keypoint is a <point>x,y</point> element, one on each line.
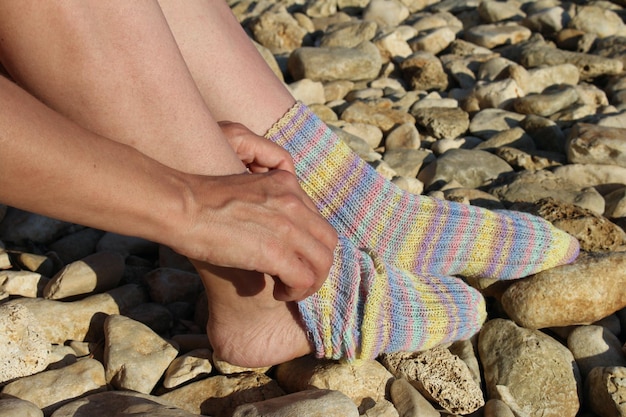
<point>262,222</point>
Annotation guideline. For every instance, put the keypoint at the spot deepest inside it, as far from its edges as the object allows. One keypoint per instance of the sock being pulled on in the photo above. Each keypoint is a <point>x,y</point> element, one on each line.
<point>367,307</point>
<point>414,232</point>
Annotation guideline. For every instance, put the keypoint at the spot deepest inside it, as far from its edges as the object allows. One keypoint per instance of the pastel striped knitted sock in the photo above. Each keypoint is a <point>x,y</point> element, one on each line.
<point>414,232</point>
<point>366,308</point>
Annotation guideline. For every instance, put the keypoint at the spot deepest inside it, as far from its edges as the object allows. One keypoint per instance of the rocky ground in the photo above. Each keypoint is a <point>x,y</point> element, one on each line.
<point>515,104</point>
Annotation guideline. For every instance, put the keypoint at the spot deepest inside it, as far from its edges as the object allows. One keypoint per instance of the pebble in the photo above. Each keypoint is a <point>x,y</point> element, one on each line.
<point>502,104</point>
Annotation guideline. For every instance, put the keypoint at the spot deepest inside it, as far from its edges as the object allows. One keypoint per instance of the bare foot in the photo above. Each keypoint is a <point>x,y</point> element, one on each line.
<point>247,326</point>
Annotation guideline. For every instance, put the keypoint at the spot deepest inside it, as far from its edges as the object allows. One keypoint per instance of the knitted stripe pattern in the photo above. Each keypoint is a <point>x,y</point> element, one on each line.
<point>414,232</point>
<point>366,308</point>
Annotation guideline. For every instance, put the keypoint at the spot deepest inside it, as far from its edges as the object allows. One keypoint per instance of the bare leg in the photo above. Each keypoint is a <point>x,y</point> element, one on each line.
<point>116,70</point>
<point>209,36</point>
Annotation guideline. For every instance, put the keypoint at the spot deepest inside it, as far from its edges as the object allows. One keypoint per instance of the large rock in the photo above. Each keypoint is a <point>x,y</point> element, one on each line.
<point>579,293</point>
<point>528,370</point>
<point>591,144</point>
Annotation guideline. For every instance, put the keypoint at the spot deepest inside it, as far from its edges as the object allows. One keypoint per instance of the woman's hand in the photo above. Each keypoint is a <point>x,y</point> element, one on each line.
<point>260,222</point>
<point>256,152</point>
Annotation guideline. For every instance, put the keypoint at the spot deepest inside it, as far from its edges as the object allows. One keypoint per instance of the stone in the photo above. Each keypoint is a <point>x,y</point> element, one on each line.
<point>530,187</point>
<point>168,285</point>
<point>309,403</point>
<point>434,41</point>
<point>591,175</point>
<point>393,46</point>
<point>497,408</point>
<point>528,370</point>
<point>366,380</point>
<point>51,389</point>
<point>465,142</point>
<point>382,408</point>
<point>547,135</point>
<point>547,20</point>
<point>529,160</point>
<point>488,122</point>
<point>227,368</point>
<point>615,204</point>
<point>362,62</point>
<point>77,245</point>
<point>383,118</point>
<point>14,407</point>
<point>22,283</point>
<point>493,35</point>
<point>497,94</point>
<point>495,11</point>
<point>440,376</point>
<point>135,357</point>
<point>23,348</point>
<point>188,367</point>
<point>597,20</point>
<point>156,316</point>
<point>409,402</point>
<point>405,136</point>
<point>407,162</point>
<point>594,232</point>
<point>514,138</point>
<point>605,391</point>
<point>96,273</point>
<point>219,396</point>
<point>45,265</point>
<point>594,346</point>
<point>278,31</point>
<point>442,122</point>
<point>468,167</point>
<point>386,13</point>
<point>20,226</point>
<point>126,245</point>
<point>308,91</point>
<point>348,34</point>
<point>82,319</point>
<point>424,71</point>
<point>120,403</point>
<point>550,101</point>
<point>589,65</point>
<point>591,144</point>
<point>579,293</point>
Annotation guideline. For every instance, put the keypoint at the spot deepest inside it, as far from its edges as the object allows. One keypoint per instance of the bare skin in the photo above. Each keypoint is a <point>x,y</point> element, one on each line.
<point>116,72</point>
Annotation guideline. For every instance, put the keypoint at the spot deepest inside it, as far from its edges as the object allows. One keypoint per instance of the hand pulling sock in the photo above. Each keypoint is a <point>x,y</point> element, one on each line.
<point>416,233</point>
<point>366,308</point>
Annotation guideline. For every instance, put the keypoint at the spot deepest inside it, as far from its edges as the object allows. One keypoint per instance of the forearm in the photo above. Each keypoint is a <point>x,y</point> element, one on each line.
<point>54,167</point>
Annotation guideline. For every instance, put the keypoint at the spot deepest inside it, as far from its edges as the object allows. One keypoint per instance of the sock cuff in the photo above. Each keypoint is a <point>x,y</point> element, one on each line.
<point>294,114</point>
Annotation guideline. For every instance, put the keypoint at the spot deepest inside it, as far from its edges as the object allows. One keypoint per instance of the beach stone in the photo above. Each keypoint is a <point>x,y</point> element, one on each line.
<point>439,376</point>
<point>434,41</point>
<point>135,356</point>
<point>547,103</point>
<point>497,408</point>
<point>424,71</point>
<point>120,403</point>
<point>358,145</point>
<point>409,402</point>
<point>126,245</point>
<point>82,319</point>
<point>227,368</point>
<point>14,407</point>
<point>547,20</point>
<point>442,122</point>
<point>51,389</point>
<point>597,20</point>
<point>592,175</point>
<point>605,391</point>
<point>495,11</point>
<point>579,293</point>
<point>308,91</point>
<point>546,133</point>
<point>488,122</point>
<point>382,408</point>
<point>407,162</point>
<point>365,94</point>
<point>465,142</point>
<point>362,62</point>
<point>589,65</point>
<point>385,12</point>
<point>278,31</point>
<point>530,187</point>
<point>20,226</point>
<point>595,346</point>
<point>23,348</point>
<point>348,34</point>
<point>156,316</point>
<point>470,168</point>
<point>22,283</point>
<point>529,160</point>
<point>493,35</point>
<point>514,138</point>
<point>594,232</point>
<point>615,204</point>
<point>45,265</point>
<point>393,46</point>
<point>220,395</point>
<point>528,370</point>
<point>383,118</point>
<point>96,273</point>
<point>405,136</point>
<point>309,403</point>
<point>168,285</point>
<point>497,94</point>
<point>188,367</point>
<point>361,381</point>
<point>77,245</point>
<point>554,75</point>
<point>591,144</point>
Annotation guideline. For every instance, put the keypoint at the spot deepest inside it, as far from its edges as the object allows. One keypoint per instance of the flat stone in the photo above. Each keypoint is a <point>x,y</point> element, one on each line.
<point>22,283</point>
<point>14,407</point>
<point>24,350</point>
<point>579,293</point>
<point>528,370</point>
<point>134,355</point>
<point>492,35</point>
<point>442,122</point>
<point>595,346</point>
<point>310,403</point>
<point>591,144</point>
